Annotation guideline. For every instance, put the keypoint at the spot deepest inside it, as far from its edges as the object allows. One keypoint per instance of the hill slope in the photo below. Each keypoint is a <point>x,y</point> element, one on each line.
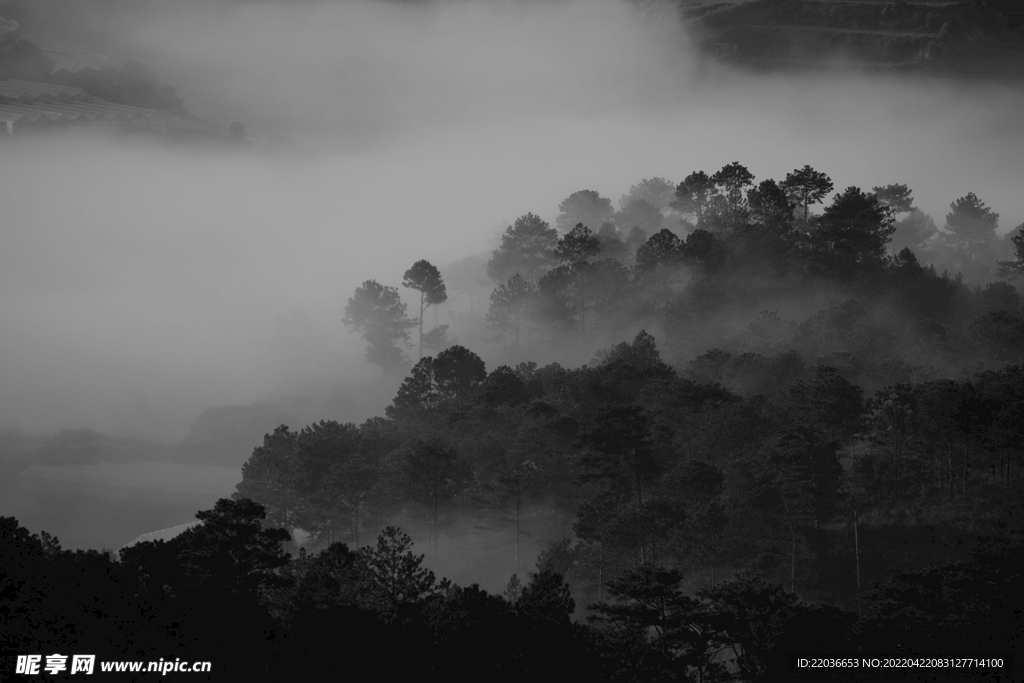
<point>967,39</point>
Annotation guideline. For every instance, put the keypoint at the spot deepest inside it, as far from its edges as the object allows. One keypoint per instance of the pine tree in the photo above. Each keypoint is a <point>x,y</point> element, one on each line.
<point>425,279</point>
<point>805,187</point>
<point>509,304</point>
<point>378,314</point>
<point>395,576</point>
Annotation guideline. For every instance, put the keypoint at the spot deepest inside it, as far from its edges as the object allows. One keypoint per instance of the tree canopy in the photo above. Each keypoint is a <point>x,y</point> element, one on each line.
<point>585,207</point>
<point>805,187</point>
<point>527,249</point>
<point>377,313</point>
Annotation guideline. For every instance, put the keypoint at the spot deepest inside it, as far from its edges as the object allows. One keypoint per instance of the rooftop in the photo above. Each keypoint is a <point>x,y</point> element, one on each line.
<point>74,60</point>
<point>162,534</point>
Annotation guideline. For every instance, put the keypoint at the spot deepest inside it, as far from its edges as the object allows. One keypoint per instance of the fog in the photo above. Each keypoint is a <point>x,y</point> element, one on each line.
<point>141,283</point>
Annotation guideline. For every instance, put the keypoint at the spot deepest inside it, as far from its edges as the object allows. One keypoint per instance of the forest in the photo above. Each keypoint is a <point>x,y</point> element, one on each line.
<point>808,440</point>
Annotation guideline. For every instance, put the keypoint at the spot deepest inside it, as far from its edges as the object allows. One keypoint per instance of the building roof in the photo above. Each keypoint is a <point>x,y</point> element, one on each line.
<point>74,60</point>
<point>162,534</point>
<point>15,88</point>
<point>30,113</point>
<point>68,112</point>
<point>31,102</point>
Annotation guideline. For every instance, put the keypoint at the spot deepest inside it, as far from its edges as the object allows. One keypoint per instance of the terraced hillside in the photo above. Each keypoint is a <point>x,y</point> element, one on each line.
<point>973,39</point>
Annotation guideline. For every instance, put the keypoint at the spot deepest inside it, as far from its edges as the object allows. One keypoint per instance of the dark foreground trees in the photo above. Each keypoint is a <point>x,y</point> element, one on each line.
<point>710,484</point>
<point>819,474</point>
<point>225,592</point>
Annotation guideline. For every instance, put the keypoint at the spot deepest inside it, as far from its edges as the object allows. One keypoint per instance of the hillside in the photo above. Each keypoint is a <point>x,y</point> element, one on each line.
<point>968,39</point>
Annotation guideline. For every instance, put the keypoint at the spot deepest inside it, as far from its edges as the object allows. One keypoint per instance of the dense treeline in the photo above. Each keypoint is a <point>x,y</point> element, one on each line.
<point>697,262</point>
<point>776,470</point>
<point>698,510</point>
<point>746,486</point>
<point>701,516</point>
<point>882,431</point>
<point>225,592</point>
<point>808,426</point>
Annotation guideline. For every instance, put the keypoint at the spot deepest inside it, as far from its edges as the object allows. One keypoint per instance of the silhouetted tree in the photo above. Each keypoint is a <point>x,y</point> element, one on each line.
<point>527,248</point>
<point>457,373</point>
<point>585,207</point>
<point>268,477</point>
<point>394,575</point>
<point>513,484</point>
<point>623,447</point>
<point>600,288</point>
<point>1014,268</point>
<point>546,605</point>
<point>805,187</point>
<point>467,276</point>
<point>425,279</point>
<point>673,632</point>
<point>595,519</point>
<point>571,291</point>
<point>504,386</point>
<point>337,477</point>
<point>657,192</point>
<point>704,249</point>
<point>642,353</point>
<point>972,417</point>
<point>640,213</point>
<point>732,181</point>
<point>763,622</point>
<point>661,249</point>
<point>22,586</point>
<point>691,490</point>
<point>829,404</point>
<point>377,313</point>
<point>634,239</point>
<point>231,551</point>
<point>971,235</point>
<point>851,236</point>
<point>442,383</point>
<point>771,331</point>
<point>915,232</point>
<point>437,339</point>
<point>611,242</point>
<point>557,301</point>
<point>509,303</point>
<point>937,406</point>
<point>891,418</point>
<point>948,606</point>
<point>694,196</point>
<point>770,205</point>
<point>896,199</point>
<point>578,245</point>
<point>999,333</point>
<point>432,474</point>
<point>417,396</point>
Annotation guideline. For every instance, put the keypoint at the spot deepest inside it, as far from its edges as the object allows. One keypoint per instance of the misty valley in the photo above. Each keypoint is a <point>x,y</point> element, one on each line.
<point>321,362</point>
